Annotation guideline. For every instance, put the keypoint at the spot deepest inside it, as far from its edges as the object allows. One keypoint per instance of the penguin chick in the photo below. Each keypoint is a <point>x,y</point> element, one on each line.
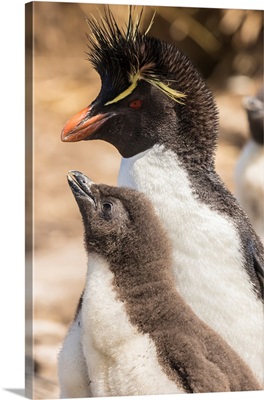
<point>249,175</point>
<point>138,335</point>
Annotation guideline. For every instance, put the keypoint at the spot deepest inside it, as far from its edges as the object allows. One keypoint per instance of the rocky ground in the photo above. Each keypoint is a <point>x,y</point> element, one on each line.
<point>63,85</point>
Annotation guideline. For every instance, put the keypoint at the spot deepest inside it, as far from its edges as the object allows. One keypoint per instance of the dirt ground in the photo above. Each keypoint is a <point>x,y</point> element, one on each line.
<point>64,84</point>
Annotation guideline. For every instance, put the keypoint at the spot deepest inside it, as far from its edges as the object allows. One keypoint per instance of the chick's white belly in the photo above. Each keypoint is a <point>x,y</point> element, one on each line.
<point>72,369</point>
<point>121,361</point>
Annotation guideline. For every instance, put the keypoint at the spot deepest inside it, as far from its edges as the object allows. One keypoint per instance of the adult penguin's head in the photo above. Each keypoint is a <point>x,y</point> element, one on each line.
<point>150,94</point>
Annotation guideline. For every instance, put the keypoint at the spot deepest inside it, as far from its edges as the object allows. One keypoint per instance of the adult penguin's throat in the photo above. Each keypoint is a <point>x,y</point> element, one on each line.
<point>81,126</point>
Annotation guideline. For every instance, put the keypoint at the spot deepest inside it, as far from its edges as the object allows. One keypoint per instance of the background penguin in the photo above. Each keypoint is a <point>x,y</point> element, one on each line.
<point>249,173</point>
<point>156,109</point>
<point>137,334</point>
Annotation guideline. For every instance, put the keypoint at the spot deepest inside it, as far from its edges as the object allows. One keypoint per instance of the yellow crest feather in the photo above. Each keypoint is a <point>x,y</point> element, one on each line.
<point>172,93</point>
<point>134,81</point>
<point>134,78</point>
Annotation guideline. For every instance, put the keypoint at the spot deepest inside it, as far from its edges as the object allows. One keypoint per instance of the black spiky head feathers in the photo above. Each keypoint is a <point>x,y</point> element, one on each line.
<point>123,57</point>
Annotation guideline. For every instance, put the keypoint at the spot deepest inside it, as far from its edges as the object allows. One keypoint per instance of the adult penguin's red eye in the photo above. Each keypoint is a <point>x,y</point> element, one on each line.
<point>135,104</point>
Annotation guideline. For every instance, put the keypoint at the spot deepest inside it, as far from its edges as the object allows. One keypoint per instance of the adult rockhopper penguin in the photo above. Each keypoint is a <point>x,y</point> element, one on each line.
<point>157,110</point>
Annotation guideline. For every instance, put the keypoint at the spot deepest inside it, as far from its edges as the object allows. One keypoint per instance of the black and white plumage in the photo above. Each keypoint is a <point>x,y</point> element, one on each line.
<point>157,110</point>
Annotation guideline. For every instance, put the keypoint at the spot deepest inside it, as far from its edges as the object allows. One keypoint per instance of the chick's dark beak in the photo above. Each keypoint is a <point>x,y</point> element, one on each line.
<point>81,186</point>
<point>82,125</point>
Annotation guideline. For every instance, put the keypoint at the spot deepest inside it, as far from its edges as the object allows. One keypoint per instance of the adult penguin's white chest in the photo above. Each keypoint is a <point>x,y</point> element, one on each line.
<point>120,360</point>
<point>208,261</point>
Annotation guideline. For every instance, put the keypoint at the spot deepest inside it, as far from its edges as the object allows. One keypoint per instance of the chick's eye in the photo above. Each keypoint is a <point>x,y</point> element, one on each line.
<point>107,207</point>
<point>135,104</point>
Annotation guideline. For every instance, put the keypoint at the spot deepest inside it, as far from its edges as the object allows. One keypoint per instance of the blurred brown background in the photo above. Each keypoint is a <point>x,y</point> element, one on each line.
<point>227,47</point>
